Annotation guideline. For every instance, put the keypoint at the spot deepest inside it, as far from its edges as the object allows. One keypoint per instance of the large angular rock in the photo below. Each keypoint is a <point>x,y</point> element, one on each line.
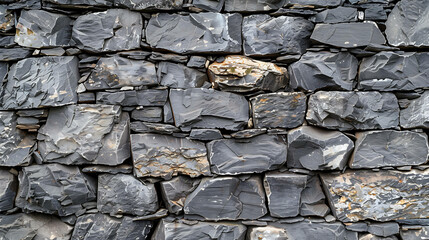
<point>85,134</point>
<point>314,3</point>
<point>8,188</point>
<point>195,33</point>
<point>41,82</point>
<point>54,189</point>
<point>253,155</point>
<point>175,75</point>
<point>252,5</point>
<point>348,35</point>
<point>164,156</point>
<point>380,196</point>
<point>39,28</point>
<point>281,109</point>
<point>227,198</point>
<point>324,70</point>
<point>416,114</point>
<point>16,146</point>
<point>394,71</point>
<point>353,110</point>
<point>80,3</point>
<point>33,226</point>
<point>201,230</point>
<point>146,97</point>
<point>102,226</point>
<point>242,74</point>
<point>336,15</point>
<point>14,54</point>
<point>388,148</point>
<point>313,199</point>
<point>317,149</point>
<point>283,191</point>
<point>175,191</point>
<point>266,35</point>
<point>208,108</point>
<point>112,30</point>
<point>150,4</point>
<point>406,25</point>
<point>124,194</point>
<point>117,72</point>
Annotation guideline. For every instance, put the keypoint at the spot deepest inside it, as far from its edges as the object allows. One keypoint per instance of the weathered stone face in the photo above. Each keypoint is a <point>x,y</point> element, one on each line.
<point>7,19</point>
<point>252,5</point>
<point>79,3</point>
<point>175,191</point>
<point>150,4</point>
<point>415,115</point>
<point>146,97</point>
<point>175,75</point>
<point>8,188</point>
<point>336,15</point>
<point>314,3</point>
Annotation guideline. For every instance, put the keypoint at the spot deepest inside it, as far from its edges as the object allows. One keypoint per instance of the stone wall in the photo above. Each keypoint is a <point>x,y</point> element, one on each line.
<point>214,119</point>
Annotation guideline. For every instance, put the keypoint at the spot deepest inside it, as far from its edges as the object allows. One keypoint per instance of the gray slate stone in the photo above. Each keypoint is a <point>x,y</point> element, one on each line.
<point>394,71</point>
<point>94,134</point>
<point>348,35</point>
<point>112,30</point>
<point>313,199</point>
<point>415,234</point>
<point>353,110</point>
<point>241,156</point>
<point>53,82</point>
<point>102,226</point>
<point>208,108</point>
<point>279,110</point>
<point>54,189</point>
<point>314,3</point>
<point>147,127</point>
<point>80,3</point>
<point>150,4</point>
<point>147,97</point>
<point>195,33</point>
<point>384,229</point>
<point>39,28</point>
<point>164,156</point>
<point>205,134</point>
<point>7,19</point>
<point>201,230</point>
<point>380,196</point>
<point>283,191</point>
<point>253,5</point>
<point>8,189</point>
<point>123,168</point>
<point>317,149</point>
<point>124,194</point>
<point>336,15</point>
<point>227,198</point>
<point>324,70</point>
<point>209,5</point>
<point>406,25</point>
<point>370,236</point>
<point>148,114</point>
<point>117,72</point>
<point>415,115</point>
<point>386,148</point>
<point>175,75</point>
<point>14,54</point>
<point>266,35</point>
<point>175,191</point>
<point>249,133</point>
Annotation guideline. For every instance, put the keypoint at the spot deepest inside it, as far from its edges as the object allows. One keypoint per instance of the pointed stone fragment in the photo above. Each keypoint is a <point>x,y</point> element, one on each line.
<point>8,189</point>
<point>416,114</point>
<point>175,191</point>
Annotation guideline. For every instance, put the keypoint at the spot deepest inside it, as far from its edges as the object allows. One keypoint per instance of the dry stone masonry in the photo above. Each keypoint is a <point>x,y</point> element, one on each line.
<point>214,119</point>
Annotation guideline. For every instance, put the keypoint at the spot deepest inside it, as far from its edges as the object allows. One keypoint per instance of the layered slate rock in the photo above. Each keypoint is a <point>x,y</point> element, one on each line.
<point>242,74</point>
<point>265,35</point>
<point>81,3</point>
<point>85,134</point>
<point>33,226</point>
<point>252,5</point>
<point>336,15</point>
<point>174,75</point>
<point>314,3</point>
<point>195,33</point>
<point>380,196</point>
<point>283,191</point>
<point>170,230</point>
<point>124,194</point>
<point>102,226</point>
<point>280,109</point>
<point>16,146</point>
<point>150,4</point>
<point>14,54</point>
<point>384,229</point>
<point>415,115</point>
<point>39,28</point>
<point>205,134</point>
<point>389,148</point>
<point>353,110</point>
<point>253,155</point>
<point>348,35</point>
<point>54,189</point>
<point>317,149</point>
<point>406,25</point>
<point>8,189</point>
<point>313,199</point>
<point>394,71</point>
<point>209,5</point>
<point>53,82</point>
<point>415,234</point>
<point>208,108</point>
<point>164,156</point>
<point>324,70</point>
<point>146,98</point>
<point>227,198</point>
<point>175,191</point>
<point>117,72</point>
<point>112,30</point>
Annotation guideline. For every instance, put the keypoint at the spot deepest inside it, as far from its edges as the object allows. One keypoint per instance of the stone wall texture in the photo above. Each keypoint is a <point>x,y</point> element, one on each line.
<point>214,119</point>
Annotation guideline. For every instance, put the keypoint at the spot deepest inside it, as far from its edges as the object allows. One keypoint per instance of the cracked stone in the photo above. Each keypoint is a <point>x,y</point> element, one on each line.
<point>150,4</point>
<point>147,97</point>
<point>8,188</point>
<point>336,15</point>
<point>384,229</point>
<point>415,115</point>
<point>175,191</point>
<point>175,75</point>
<point>253,5</point>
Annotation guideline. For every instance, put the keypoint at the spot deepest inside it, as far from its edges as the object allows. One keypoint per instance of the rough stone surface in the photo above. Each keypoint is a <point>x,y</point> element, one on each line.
<point>8,188</point>
<point>165,156</point>
<point>227,198</point>
<point>209,5</point>
<point>54,189</point>
<point>253,155</point>
<point>147,127</point>
<point>353,110</point>
<point>195,33</point>
<point>147,97</point>
<point>324,70</point>
<point>318,149</point>
<point>336,15</point>
<point>384,229</point>
<point>148,114</point>
<point>242,74</point>
<point>265,35</point>
<point>313,3</point>
<point>150,4</point>
<point>14,54</point>
<point>79,3</point>
<point>7,19</point>
<point>208,108</point>
<point>252,5</point>
<point>175,191</point>
<point>415,234</point>
<point>313,199</point>
<point>175,75</point>
<point>53,80</point>
<point>415,115</point>
<point>205,134</point>
<point>281,109</point>
<point>389,148</point>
